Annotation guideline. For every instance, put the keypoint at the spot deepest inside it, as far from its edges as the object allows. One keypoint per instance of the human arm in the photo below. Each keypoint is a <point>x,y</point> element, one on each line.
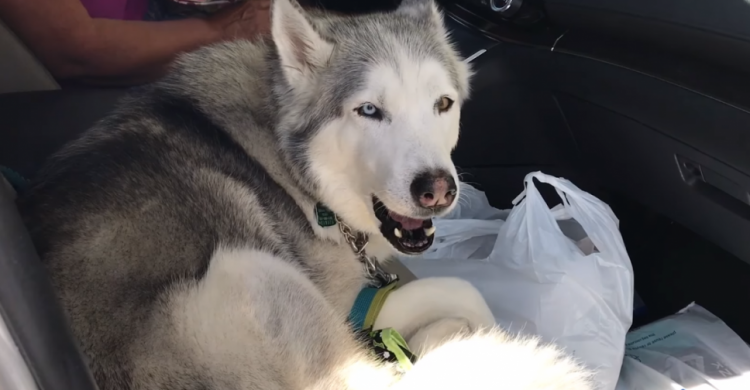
<point>73,45</point>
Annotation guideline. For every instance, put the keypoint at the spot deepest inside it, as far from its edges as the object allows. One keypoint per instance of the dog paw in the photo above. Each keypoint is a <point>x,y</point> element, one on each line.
<point>437,333</point>
<point>440,303</point>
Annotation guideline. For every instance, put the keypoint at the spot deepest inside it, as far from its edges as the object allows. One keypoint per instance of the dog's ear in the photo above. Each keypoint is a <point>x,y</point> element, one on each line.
<point>301,48</point>
<point>424,10</point>
<point>427,10</point>
<point>419,9</point>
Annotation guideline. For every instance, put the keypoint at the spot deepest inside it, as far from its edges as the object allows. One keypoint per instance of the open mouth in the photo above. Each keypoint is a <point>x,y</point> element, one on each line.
<point>408,235</point>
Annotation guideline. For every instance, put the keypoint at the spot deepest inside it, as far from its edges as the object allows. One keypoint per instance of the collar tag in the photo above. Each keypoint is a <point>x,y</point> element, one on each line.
<point>324,215</point>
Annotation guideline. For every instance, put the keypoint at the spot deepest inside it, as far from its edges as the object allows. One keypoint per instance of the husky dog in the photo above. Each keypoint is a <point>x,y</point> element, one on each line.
<point>183,233</point>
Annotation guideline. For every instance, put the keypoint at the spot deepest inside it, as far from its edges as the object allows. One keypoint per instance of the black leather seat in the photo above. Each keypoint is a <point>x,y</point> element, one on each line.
<point>33,125</point>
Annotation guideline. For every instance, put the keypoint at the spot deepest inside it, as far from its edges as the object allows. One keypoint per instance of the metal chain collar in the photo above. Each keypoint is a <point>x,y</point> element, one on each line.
<point>358,241</point>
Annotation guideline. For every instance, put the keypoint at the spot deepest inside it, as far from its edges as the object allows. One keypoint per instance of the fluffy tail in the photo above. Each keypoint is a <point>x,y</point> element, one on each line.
<point>495,360</point>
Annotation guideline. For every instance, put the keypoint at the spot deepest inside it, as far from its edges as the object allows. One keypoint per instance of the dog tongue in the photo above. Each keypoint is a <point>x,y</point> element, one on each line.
<point>406,222</point>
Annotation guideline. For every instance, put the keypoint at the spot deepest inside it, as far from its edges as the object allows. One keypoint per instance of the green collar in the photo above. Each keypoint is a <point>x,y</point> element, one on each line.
<point>387,344</point>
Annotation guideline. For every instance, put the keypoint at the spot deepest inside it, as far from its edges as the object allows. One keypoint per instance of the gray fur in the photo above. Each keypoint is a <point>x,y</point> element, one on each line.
<point>137,219</point>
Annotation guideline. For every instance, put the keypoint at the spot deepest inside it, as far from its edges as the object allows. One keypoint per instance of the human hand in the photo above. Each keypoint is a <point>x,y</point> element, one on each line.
<point>245,20</point>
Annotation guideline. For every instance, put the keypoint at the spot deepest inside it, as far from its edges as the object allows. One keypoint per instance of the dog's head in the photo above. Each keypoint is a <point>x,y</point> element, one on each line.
<point>370,115</point>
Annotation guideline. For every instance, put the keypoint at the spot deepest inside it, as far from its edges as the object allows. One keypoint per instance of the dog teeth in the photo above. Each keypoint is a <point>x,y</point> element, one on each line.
<point>418,244</point>
<point>397,232</point>
<point>429,231</point>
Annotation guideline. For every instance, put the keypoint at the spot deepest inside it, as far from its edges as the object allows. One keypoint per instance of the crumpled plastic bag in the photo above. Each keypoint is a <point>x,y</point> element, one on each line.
<point>560,273</point>
<point>691,350</point>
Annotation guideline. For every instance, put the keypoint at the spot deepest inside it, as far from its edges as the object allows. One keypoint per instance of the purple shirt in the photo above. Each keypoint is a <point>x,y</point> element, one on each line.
<point>116,9</point>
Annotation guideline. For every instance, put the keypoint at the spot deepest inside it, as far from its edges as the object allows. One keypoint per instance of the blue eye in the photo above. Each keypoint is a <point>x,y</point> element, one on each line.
<point>370,111</point>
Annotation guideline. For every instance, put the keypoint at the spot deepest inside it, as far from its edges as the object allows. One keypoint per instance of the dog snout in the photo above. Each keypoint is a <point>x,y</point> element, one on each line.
<point>434,189</point>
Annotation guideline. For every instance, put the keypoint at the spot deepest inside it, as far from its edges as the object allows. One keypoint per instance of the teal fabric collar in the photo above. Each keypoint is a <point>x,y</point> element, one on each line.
<point>387,344</point>
<point>367,306</point>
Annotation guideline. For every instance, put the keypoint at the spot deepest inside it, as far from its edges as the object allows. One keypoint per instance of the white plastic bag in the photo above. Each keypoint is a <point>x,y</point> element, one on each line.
<point>635,375</point>
<point>537,279</point>
<point>470,230</point>
<point>692,350</point>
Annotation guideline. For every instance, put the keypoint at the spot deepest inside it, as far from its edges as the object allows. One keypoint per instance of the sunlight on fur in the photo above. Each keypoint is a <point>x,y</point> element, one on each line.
<point>485,361</point>
<point>497,360</point>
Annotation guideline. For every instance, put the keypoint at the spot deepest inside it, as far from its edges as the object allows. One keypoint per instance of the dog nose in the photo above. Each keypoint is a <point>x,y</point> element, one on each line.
<point>435,189</point>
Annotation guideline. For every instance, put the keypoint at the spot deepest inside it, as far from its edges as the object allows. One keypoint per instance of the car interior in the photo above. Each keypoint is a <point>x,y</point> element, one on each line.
<point>645,104</point>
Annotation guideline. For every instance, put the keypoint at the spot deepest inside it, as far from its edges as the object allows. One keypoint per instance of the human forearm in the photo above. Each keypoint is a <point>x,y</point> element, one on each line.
<point>129,52</point>
<point>73,46</point>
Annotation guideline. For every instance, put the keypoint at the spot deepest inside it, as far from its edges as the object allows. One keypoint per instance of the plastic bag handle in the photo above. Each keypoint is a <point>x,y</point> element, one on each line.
<point>595,217</point>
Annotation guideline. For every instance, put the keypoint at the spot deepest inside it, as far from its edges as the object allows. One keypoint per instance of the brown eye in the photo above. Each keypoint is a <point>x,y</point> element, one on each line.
<point>444,104</point>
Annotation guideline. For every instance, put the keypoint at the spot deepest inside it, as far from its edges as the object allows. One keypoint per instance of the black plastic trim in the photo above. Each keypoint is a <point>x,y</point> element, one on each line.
<point>467,41</point>
<point>539,35</point>
<point>712,64</point>
<point>717,129</point>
